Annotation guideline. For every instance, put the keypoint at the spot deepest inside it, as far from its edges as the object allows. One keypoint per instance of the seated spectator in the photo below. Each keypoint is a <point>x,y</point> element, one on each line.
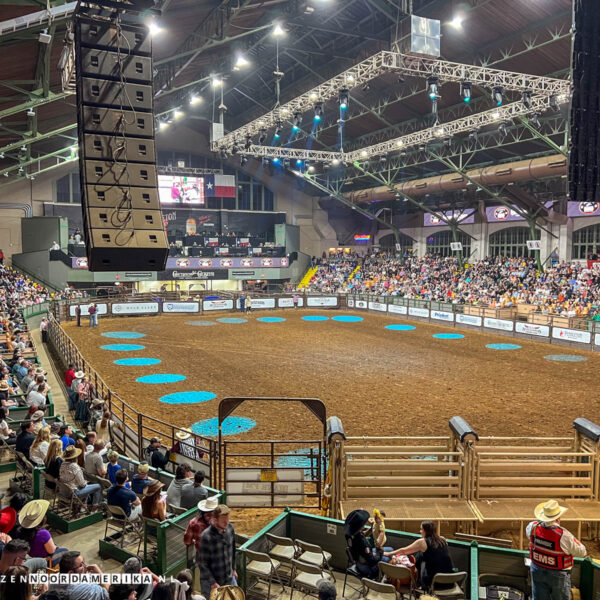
<point>72,476</point>
<point>39,448</point>
<point>65,434</point>
<point>93,463</point>
<point>185,577</point>
<point>122,592</point>
<point>154,457</point>
<point>29,377</point>
<point>15,554</point>
<point>91,437</point>
<point>53,461</point>
<point>164,590</point>
<point>193,492</point>
<point>140,479</point>
<point>367,561</point>
<point>182,478</point>
<point>119,495</point>
<point>431,554</point>
<point>72,562</point>
<point>15,585</point>
<point>25,439</point>
<point>32,520</point>
<point>79,443</point>
<point>38,419</point>
<point>5,402</point>
<point>40,379</point>
<point>153,505</point>
<point>134,565</point>
<point>6,433</point>
<point>37,397</point>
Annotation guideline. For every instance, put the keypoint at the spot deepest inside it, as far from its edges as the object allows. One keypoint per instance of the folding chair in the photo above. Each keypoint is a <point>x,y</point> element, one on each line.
<point>375,590</point>
<point>176,510</point>
<point>457,580</point>
<point>350,570</point>
<point>314,555</point>
<point>398,573</point>
<point>67,498</point>
<point>49,493</point>
<point>306,577</point>
<point>263,568</point>
<point>118,521</point>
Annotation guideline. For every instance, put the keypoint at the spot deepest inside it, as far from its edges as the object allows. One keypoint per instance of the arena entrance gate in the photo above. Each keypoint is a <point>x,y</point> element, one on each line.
<point>272,473</point>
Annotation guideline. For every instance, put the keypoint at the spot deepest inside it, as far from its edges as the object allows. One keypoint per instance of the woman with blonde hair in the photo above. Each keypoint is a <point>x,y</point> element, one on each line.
<point>53,461</point>
<point>39,448</point>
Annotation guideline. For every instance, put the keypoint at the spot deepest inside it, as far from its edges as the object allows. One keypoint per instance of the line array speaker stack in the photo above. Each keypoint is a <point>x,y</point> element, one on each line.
<point>117,158</point>
<point>584,148</point>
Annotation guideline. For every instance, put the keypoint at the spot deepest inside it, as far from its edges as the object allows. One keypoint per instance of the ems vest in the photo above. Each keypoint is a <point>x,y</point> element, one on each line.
<point>545,550</point>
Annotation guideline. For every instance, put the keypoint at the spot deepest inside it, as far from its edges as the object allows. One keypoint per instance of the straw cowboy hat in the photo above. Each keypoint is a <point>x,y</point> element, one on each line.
<point>97,401</point>
<point>143,468</point>
<point>8,518</point>
<point>227,592</point>
<point>38,415</point>
<point>33,513</point>
<point>71,452</point>
<point>549,511</point>
<point>79,375</point>
<point>355,521</point>
<point>153,487</point>
<point>3,386</point>
<point>183,435</point>
<point>209,504</point>
<point>40,371</point>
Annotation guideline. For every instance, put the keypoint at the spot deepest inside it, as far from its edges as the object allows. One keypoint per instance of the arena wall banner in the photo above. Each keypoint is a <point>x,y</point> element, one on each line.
<point>350,302</point>
<point>378,306</point>
<point>530,329</point>
<point>134,308</point>
<point>468,320</point>
<point>398,309</point>
<point>181,307</point>
<point>571,335</point>
<point>442,315</point>
<point>217,305</point>
<point>361,304</point>
<point>597,339</point>
<point>321,301</point>
<point>102,309</point>
<point>418,312</point>
<point>498,324</point>
<point>259,303</point>
<point>288,302</point>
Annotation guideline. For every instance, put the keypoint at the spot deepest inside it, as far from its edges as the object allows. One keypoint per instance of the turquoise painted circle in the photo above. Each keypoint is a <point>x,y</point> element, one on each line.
<point>124,335</point>
<point>296,460</point>
<point>565,357</point>
<point>161,378</point>
<point>137,362</point>
<point>187,397</point>
<point>400,327</point>
<point>315,318</point>
<point>448,336</point>
<point>200,323</point>
<point>123,347</point>
<point>347,319</point>
<point>230,426</point>
<point>271,319</point>
<point>232,320</point>
<point>503,346</point>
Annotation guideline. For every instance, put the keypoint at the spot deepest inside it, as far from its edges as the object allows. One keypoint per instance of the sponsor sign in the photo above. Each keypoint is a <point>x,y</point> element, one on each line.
<point>361,304</point>
<point>260,303</point>
<point>79,262</point>
<point>418,312</point>
<point>498,324</point>
<point>442,315</point>
<point>102,309</point>
<point>181,307</point>
<point>501,214</point>
<point>351,302</point>
<point>243,274</point>
<point>134,308</point>
<point>597,339</point>
<point>378,306</point>
<point>195,274</point>
<point>534,244</point>
<point>456,246</point>
<point>531,329</point>
<point>321,301</point>
<point>253,487</point>
<point>219,304</point>
<point>396,308</point>
<point>287,302</point>
<point>461,216</point>
<point>583,209</point>
<point>572,335</point>
<point>202,262</point>
<point>468,320</point>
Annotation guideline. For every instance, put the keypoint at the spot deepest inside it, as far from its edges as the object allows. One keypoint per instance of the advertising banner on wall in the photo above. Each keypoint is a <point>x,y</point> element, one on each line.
<point>259,303</point>
<point>468,320</point>
<point>462,216</point>
<point>102,309</point>
<point>418,312</point>
<point>531,329</point>
<point>181,307</point>
<point>442,315</point>
<point>192,274</point>
<point>134,308</point>
<point>378,306</point>
<point>397,309</point>
<point>350,302</point>
<point>217,305</point>
<point>571,335</point>
<point>287,302</point>
<point>321,301</point>
<point>189,262</point>
<point>498,324</point>
<point>583,209</point>
<point>361,304</point>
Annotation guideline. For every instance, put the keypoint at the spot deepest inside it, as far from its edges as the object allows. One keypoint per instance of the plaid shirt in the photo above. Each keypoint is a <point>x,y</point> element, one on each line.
<point>217,557</point>
<point>193,533</point>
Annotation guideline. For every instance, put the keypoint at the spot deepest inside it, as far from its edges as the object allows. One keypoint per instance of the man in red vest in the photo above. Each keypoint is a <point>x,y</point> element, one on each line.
<point>551,550</point>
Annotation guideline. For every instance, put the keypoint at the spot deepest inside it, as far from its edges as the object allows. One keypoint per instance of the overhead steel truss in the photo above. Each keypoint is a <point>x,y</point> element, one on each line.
<point>384,62</point>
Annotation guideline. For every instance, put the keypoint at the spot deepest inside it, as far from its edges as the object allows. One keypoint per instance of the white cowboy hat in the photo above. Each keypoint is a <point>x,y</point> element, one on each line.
<point>209,504</point>
<point>33,513</point>
<point>97,401</point>
<point>183,435</point>
<point>549,511</point>
<point>79,375</point>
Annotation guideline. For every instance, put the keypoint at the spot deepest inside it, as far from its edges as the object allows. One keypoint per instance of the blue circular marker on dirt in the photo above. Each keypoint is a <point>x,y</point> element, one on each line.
<point>137,362</point>
<point>300,459</point>
<point>124,335</point>
<point>503,346</point>
<point>230,426</point>
<point>565,357</point>
<point>233,320</point>
<point>315,318</point>
<point>400,327</point>
<point>187,397</point>
<point>346,319</point>
<point>448,336</point>
<point>271,319</point>
<point>161,378</point>
<point>123,347</point>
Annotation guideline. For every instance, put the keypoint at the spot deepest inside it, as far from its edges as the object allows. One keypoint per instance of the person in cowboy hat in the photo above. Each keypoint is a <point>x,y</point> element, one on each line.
<point>183,474</point>
<point>4,392</point>
<point>71,475</point>
<point>551,550</point>
<point>367,561</point>
<point>193,533</point>
<point>153,505</point>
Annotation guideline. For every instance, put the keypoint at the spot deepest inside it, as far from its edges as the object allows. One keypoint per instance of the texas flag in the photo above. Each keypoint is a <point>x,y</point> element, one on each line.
<point>219,186</point>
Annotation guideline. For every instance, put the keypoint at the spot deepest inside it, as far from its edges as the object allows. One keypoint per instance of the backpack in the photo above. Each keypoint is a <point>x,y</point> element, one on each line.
<point>503,592</point>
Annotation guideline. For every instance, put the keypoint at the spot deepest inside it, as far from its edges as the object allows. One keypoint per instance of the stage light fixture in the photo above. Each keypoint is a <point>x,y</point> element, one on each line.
<point>262,136</point>
<point>535,121</point>
<point>276,160</point>
<point>278,129</point>
<point>195,100</point>
<point>457,22</point>
<point>465,91</point>
<point>311,168</point>
<point>235,148</point>
<point>177,114</point>
<point>297,121</point>
<point>526,99</point>
<point>224,154</point>
<point>240,62</point>
<point>278,30</point>
<point>318,111</point>
<point>335,162</point>
<point>243,160</point>
<point>31,112</point>
<point>383,159</point>
<point>503,129</point>
<point>248,142</point>
<point>553,101</point>
<point>498,95</point>
<point>299,163</point>
<point>154,28</point>
<point>344,98</point>
<point>162,125</point>
<point>433,87</point>
<point>474,135</point>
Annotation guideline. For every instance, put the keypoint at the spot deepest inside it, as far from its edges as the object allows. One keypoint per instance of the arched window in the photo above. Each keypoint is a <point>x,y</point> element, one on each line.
<point>439,243</point>
<point>586,241</point>
<point>389,241</point>
<point>511,242</point>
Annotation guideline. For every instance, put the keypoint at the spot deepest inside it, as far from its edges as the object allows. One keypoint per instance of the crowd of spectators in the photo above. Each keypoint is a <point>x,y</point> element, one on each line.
<point>568,289</point>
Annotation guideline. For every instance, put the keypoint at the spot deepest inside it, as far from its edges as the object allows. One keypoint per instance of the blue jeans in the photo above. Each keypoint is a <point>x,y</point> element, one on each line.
<point>547,584</point>
<point>94,320</point>
<point>91,489</point>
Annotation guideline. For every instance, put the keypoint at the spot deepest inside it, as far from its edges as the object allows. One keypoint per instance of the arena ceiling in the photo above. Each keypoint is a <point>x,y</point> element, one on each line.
<point>201,40</point>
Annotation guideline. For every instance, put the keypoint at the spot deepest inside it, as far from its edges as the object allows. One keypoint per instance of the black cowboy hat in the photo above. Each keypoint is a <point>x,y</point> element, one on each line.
<point>355,521</point>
